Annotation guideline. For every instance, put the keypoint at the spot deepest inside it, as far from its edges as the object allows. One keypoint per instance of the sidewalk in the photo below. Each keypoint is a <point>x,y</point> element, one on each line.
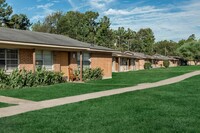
<point>31,106</point>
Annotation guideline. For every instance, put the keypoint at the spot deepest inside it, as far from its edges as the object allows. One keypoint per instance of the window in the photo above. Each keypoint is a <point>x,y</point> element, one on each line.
<point>2,59</point>
<point>8,59</point>
<point>86,60</point>
<point>44,59</point>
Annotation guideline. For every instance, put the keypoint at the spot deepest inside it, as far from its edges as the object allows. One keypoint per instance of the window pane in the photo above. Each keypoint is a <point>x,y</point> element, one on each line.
<point>78,57</point>
<point>2,53</point>
<point>47,60</point>
<point>2,64</point>
<point>38,55</point>
<point>12,59</point>
<point>12,64</point>
<point>86,57</point>
<point>86,60</point>
<point>12,54</point>
<point>86,64</point>
<point>39,63</point>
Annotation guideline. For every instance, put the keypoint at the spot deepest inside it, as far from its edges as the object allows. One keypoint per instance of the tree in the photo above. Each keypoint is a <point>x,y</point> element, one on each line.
<point>20,21</point>
<point>5,12</point>
<point>70,24</point>
<point>104,35</point>
<point>120,36</point>
<point>190,51</point>
<point>191,38</point>
<point>50,24</point>
<point>130,38</point>
<point>145,40</point>
<point>166,47</point>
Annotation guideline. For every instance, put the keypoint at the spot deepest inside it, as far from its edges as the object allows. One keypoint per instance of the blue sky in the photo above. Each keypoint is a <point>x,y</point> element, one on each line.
<point>169,19</point>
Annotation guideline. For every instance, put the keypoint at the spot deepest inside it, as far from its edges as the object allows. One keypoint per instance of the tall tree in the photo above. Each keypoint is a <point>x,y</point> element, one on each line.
<point>120,37</point>
<point>190,51</point>
<point>130,39</point>
<point>70,24</point>
<point>49,25</point>
<point>166,47</point>
<point>20,21</point>
<point>191,38</point>
<point>145,40</point>
<point>104,35</point>
<point>5,12</point>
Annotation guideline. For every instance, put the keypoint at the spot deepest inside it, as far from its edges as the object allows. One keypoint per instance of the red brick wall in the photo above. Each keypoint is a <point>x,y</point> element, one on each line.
<point>104,61</point>
<point>26,59</point>
<point>73,60</point>
<point>60,62</point>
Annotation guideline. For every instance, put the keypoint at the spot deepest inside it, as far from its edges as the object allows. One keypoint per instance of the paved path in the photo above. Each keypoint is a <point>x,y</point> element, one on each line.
<point>11,100</point>
<point>27,107</point>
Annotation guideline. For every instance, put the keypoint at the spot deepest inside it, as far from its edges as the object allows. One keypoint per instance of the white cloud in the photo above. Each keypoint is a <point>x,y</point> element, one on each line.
<point>170,22</point>
<point>137,10</point>
<point>77,4</point>
<point>46,9</point>
<point>99,4</point>
<point>46,6</point>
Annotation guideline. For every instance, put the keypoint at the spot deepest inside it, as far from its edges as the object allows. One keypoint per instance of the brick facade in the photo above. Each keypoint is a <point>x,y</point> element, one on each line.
<point>60,62</point>
<point>141,64</point>
<point>26,59</point>
<point>73,60</point>
<point>104,61</point>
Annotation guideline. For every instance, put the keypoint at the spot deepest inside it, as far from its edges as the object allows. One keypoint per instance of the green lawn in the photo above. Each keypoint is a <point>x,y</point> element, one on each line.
<point>171,108</point>
<point>4,105</point>
<point>119,80</point>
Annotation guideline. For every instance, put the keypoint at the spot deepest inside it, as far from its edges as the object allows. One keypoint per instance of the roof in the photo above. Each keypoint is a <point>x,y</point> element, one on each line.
<point>24,36</point>
<point>121,54</point>
<point>140,55</point>
<point>137,55</point>
<point>162,57</point>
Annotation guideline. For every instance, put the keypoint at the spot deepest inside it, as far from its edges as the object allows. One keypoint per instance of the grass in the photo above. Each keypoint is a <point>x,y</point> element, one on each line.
<point>4,105</point>
<point>119,80</point>
<point>171,108</point>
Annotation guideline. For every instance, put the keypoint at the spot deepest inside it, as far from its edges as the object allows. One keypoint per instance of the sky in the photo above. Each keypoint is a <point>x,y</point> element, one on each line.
<point>169,19</point>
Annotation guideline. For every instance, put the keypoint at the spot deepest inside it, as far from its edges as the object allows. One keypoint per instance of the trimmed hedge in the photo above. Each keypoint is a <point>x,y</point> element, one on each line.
<point>23,78</point>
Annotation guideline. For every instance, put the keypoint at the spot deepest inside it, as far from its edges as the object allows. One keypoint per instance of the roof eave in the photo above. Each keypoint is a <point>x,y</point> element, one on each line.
<point>54,46</point>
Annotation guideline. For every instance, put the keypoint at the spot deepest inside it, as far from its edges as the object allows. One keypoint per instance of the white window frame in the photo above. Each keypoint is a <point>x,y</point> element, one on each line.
<point>6,60</point>
<point>43,60</point>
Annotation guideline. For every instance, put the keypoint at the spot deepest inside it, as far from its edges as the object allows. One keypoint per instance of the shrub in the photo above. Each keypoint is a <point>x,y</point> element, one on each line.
<point>147,65</point>
<point>3,76</point>
<point>23,78</point>
<point>91,74</point>
<point>166,63</point>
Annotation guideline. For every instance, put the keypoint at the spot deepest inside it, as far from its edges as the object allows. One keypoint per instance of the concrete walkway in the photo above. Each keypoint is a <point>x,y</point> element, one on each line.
<point>11,100</point>
<point>27,107</point>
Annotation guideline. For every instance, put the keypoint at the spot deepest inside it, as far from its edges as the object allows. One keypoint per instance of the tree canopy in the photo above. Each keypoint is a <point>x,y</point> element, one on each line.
<point>190,50</point>
<point>89,27</point>
<point>15,21</point>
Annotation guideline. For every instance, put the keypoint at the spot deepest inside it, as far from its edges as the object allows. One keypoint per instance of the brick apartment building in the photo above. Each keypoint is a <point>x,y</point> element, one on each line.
<point>27,49</point>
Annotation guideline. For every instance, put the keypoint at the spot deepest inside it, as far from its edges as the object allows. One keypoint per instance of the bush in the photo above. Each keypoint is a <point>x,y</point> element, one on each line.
<point>166,63</point>
<point>23,78</point>
<point>91,74</point>
<point>3,77</point>
<point>147,65</point>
